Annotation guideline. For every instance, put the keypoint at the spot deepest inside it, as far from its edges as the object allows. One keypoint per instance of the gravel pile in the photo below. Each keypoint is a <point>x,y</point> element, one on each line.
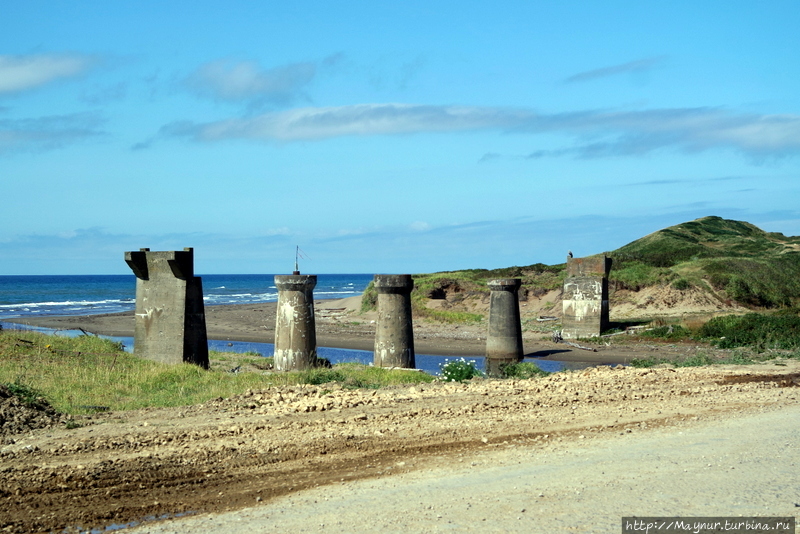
<point>18,415</point>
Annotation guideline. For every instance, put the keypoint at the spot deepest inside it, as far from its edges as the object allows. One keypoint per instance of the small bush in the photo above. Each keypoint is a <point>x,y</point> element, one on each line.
<point>369,299</point>
<point>681,284</point>
<point>523,370</point>
<point>757,330</point>
<point>459,370</point>
<point>672,332</point>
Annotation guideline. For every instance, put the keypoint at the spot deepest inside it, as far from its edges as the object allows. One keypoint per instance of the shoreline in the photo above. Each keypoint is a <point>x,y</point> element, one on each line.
<point>340,325</point>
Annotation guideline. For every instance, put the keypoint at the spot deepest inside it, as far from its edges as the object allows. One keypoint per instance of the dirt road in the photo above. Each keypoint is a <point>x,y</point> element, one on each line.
<point>574,450</point>
<point>742,465</point>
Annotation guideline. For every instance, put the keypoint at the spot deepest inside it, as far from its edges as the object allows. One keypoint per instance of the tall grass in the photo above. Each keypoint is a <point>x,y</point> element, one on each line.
<point>87,373</point>
<point>760,331</point>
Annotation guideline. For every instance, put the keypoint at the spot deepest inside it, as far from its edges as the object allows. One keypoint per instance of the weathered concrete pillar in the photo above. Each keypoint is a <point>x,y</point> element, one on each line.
<point>394,335</point>
<point>504,341</point>
<point>295,329</point>
<point>585,298</point>
<point>170,323</point>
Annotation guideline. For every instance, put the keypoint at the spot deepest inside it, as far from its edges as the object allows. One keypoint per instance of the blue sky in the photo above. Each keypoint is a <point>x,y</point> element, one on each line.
<point>411,137</point>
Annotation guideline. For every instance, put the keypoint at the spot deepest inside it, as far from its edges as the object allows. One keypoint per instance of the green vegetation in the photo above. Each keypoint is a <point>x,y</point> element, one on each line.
<point>700,359</point>
<point>760,331</point>
<point>369,299</point>
<point>26,394</point>
<point>459,370</point>
<point>86,374</point>
<point>734,259</point>
<point>697,360</point>
<point>523,370</point>
<point>757,331</point>
<point>670,333</point>
<point>454,287</point>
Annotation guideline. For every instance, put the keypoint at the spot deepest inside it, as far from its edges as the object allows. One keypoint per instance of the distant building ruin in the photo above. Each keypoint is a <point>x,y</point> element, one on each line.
<point>170,323</point>
<point>585,297</point>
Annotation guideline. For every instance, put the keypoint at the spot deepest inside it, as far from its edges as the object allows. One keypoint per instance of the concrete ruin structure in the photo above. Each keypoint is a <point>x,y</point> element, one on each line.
<point>394,335</point>
<point>170,323</point>
<point>585,297</point>
<point>504,339</point>
<point>295,328</point>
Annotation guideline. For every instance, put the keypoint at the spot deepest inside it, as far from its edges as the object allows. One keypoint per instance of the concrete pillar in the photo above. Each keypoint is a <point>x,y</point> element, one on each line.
<point>585,300</point>
<point>504,340</point>
<point>394,335</point>
<point>170,323</point>
<point>295,329</point>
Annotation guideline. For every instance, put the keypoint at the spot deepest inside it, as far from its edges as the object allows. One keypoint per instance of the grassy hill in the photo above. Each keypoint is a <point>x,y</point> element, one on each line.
<point>735,260</point>
<point>731,262</point>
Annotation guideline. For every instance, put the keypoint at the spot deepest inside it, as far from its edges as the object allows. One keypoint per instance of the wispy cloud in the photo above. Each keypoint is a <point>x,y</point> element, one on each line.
<point>688,129</point>
<point>246,81</point>
<point>20,73</point>
<point>44,133</point>
<point>674,181</point>
<point>360,120</point>
<point>631,66</point>
<point>597,134</point>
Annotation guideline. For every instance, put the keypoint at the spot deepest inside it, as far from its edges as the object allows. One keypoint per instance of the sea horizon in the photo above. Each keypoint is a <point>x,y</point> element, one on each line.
<point>85,294</point>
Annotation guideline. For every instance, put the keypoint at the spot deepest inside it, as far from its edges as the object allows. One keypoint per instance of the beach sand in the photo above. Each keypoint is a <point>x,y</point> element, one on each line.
<point>340,324</point>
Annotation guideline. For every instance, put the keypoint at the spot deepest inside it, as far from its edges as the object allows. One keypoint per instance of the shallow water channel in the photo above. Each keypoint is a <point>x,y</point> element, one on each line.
<point>426,362</point>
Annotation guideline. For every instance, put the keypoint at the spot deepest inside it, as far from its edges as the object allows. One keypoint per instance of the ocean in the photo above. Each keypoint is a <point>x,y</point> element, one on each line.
<point>23,296</point>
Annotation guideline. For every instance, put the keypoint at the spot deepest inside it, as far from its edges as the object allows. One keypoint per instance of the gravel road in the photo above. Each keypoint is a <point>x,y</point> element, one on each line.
<point>573,451</point>
<point>744,465</point>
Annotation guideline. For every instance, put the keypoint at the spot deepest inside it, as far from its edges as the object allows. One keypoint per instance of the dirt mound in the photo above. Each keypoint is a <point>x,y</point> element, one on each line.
<point>666,301</point>
<point>18,415</point>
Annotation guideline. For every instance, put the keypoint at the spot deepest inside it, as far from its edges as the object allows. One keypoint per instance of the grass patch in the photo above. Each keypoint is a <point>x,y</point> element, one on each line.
<point>698,360</point>
<point>523,370</point>
<point>447,316</point>
<point>668,333</point>
<point>87,373</point>
<point>760,331</point>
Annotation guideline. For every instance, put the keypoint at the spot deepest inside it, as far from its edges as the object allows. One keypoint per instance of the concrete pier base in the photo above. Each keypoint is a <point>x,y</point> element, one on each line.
<point>585,300</point>
<point>394,335</point>
<point>295,328</point>
<point>504,339</point>
<point>170,323</point>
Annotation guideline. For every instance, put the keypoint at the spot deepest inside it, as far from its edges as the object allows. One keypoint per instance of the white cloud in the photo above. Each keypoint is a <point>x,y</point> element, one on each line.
<point>597,133</point>
<point>226,79</point>
<point>361,119</point>
<point>688,129</point>
<point>19,73</point>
